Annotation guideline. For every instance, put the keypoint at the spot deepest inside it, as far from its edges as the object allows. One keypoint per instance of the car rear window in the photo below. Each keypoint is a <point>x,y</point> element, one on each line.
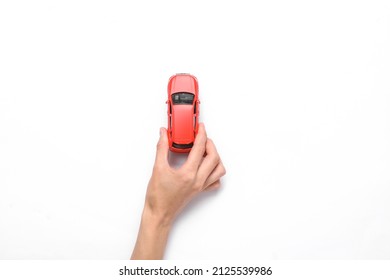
<point>182,98</point>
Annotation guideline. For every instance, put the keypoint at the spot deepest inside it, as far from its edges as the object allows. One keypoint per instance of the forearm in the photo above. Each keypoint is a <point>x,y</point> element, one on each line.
<point>152,237</point>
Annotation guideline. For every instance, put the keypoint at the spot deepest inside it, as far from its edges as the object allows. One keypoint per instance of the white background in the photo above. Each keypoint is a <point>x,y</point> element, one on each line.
<point>295,94</point>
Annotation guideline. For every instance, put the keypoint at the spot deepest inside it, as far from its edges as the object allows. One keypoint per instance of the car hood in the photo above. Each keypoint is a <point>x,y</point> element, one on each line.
<point>182,83</point>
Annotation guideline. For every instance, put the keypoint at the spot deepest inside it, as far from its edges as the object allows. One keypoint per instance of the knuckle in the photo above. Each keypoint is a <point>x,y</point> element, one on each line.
<point>215,158</point>
<point>197,186</point>
<point>157,168</point>
<point>211,143</point>
<point>223,171</point>
<point>187,178</point>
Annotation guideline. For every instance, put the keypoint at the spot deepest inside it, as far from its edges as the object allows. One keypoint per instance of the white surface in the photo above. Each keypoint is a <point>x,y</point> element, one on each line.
<point>295,95</point>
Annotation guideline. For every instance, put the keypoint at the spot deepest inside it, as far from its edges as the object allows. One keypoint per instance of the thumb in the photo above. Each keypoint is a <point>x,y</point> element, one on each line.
<point>162,147</point>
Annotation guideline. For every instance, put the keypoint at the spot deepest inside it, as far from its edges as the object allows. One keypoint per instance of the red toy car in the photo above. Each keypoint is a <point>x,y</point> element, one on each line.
<point>183,112</point>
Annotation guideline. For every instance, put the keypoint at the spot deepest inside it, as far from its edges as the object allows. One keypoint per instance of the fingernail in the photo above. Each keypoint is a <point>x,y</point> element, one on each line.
<point>160,131</point>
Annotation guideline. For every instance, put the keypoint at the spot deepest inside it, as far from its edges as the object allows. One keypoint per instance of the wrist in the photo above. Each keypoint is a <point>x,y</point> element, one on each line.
<point>152,237</point>
<point>154,220</point>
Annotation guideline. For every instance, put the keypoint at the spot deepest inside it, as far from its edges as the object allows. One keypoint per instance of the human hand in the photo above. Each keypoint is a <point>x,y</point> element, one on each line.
<point>170,190</point>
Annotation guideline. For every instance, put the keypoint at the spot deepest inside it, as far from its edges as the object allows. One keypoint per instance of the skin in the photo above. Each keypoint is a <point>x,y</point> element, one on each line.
<point>170,190</point>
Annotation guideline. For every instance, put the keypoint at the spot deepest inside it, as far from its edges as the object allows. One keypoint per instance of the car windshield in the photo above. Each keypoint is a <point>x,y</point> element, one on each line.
<point>182,98</point>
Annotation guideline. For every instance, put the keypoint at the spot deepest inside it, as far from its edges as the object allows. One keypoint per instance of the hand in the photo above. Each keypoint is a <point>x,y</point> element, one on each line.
<point>170,190</point>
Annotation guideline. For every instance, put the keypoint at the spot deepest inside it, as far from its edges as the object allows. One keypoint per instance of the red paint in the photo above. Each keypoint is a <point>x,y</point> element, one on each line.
<point>183,117</point>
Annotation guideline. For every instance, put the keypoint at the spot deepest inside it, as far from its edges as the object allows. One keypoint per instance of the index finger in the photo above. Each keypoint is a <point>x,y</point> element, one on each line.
<point>196,155</point>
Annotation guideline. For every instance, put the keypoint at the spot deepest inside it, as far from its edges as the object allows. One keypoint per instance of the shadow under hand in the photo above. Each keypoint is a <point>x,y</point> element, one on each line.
<point>176,160</point>
<point>196,203</point>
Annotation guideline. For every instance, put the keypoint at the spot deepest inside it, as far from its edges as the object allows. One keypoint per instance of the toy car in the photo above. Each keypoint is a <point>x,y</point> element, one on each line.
<point>183,112</point>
